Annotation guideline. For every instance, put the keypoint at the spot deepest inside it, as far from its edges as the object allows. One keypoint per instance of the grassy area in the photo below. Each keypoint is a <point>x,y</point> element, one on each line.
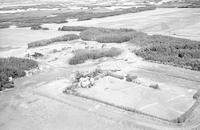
<point>68,37</point>
<point>82,55</point>
<point>13,67</point>
<point>104,35</point>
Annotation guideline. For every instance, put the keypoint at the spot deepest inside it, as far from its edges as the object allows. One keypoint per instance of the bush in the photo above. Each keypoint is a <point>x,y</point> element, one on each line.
<point>68,37</point>
<point>104,35</point>
<point>82,55</point>
<point>14,67</point>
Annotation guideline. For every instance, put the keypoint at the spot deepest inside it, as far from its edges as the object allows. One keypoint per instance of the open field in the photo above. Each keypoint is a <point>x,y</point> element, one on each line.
<point>98,78</point>
<point>167,103</point>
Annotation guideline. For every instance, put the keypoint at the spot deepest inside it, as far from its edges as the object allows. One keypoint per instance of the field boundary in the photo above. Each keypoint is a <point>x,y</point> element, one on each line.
<point>179,121</point>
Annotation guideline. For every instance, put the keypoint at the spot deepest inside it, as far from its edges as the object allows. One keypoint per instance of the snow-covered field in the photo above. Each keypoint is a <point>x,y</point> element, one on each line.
<point>38,101</point>
<point>184,23</point>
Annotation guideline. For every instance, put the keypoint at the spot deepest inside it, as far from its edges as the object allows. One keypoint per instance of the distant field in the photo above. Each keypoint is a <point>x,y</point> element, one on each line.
<point>184,23</point>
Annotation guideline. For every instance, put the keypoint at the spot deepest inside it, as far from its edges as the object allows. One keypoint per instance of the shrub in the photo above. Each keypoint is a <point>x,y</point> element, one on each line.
<point>68,37</point>
<point>104,35</point>
<point>82,55</point>
<point>14,67</point>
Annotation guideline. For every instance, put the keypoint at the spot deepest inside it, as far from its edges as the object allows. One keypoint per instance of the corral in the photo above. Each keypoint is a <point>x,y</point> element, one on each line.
<point>167,103</point>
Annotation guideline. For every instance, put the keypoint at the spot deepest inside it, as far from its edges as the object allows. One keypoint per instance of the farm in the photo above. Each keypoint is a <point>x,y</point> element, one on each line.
<point>99,65</point>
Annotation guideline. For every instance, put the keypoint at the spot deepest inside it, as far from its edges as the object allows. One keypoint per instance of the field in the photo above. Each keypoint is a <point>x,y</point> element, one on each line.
<point>167,103</point>
<point>99,65</point>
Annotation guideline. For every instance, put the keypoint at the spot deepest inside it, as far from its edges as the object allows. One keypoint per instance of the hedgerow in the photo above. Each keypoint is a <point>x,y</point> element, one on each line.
<point>67,37</point>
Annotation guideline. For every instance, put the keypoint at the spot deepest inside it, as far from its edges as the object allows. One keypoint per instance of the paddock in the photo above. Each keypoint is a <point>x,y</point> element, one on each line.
<point>168,102</point>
